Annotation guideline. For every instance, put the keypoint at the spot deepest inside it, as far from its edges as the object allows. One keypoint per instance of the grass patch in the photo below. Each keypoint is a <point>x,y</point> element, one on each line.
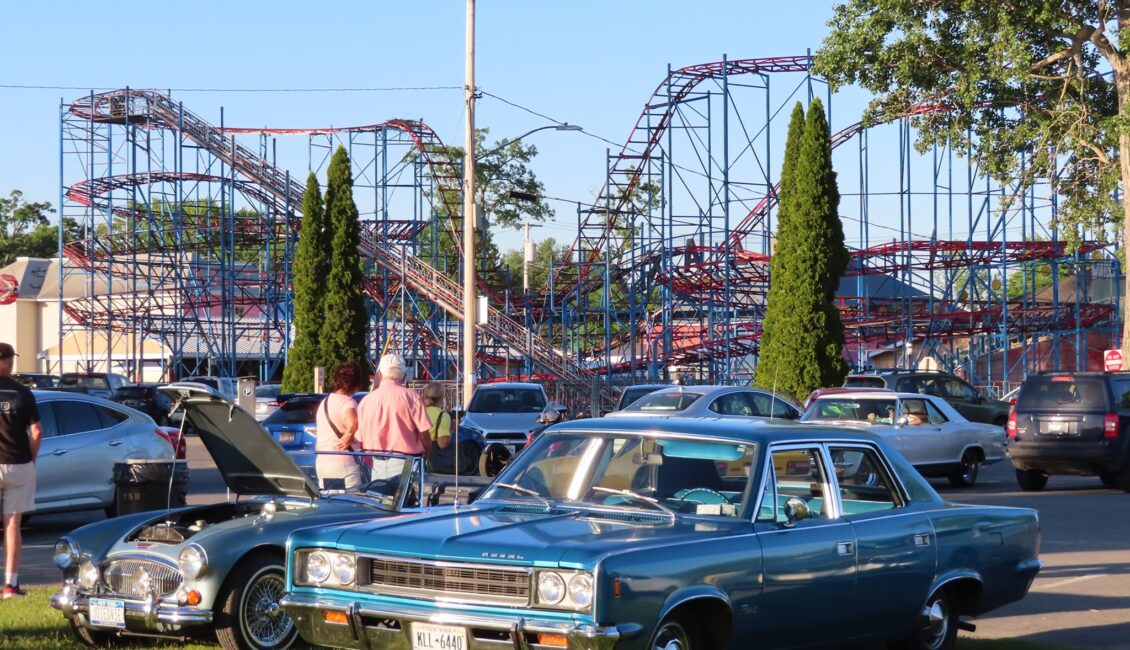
<point>31,624</point>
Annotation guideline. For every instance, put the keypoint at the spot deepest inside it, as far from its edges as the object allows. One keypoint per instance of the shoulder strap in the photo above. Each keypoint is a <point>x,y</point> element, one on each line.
<point>326,408</point>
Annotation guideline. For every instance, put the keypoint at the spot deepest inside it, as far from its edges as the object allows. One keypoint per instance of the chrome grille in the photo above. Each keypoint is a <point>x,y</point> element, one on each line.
<point>449,580</point>
<point>133,577</point>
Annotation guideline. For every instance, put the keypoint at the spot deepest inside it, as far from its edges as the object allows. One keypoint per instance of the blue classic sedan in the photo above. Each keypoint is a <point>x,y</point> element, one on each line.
<point>671,534</point>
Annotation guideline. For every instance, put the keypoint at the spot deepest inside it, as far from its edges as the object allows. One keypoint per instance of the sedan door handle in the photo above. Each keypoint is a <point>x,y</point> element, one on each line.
<point>845,548</point>
<point>58,452</point>
<point>115,443</point>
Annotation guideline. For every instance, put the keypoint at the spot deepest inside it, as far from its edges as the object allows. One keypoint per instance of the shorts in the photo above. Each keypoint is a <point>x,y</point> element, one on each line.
<point>17,488</point>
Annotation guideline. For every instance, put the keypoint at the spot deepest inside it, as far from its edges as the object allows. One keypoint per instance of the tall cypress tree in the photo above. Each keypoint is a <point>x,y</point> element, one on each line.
<point>344,319</point>
<point>802,335</point>
<point>311,263</point>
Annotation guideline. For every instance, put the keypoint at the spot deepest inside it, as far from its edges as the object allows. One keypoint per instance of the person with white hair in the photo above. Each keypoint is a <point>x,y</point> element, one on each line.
<point>393,418</point>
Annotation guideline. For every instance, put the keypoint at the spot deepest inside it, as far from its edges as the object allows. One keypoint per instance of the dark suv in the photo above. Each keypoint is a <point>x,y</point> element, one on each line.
<point>1071,423</point>
<point>960,395</point>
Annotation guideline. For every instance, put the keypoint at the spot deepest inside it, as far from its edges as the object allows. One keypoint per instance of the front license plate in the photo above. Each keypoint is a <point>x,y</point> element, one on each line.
<point>426,636</point>
<point>286,437</point>
<point>107,613</point>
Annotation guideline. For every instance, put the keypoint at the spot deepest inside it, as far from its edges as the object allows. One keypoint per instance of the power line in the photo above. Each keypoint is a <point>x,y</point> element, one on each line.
<point>239,90</point>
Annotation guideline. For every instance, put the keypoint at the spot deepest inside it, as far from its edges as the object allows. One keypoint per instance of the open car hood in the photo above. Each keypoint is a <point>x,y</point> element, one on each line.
<point>249,459</point>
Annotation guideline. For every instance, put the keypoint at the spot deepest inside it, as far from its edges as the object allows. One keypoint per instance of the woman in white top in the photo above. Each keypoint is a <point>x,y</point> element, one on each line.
<point>337,425</point>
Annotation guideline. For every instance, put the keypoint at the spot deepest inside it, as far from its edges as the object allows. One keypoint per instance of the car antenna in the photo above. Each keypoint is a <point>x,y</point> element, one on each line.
<point>773,397</point>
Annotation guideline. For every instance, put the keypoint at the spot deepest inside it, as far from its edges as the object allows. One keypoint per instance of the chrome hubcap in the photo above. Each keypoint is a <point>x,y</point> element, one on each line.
<point>935,623</point>
<point>670,638</point>
<point>263,618</point>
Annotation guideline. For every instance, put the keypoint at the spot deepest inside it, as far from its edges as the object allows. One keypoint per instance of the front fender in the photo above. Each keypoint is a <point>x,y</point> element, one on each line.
<point>695,593</point>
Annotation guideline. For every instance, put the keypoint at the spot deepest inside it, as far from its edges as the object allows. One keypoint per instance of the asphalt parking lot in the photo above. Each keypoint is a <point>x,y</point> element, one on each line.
<point>1080,599</point>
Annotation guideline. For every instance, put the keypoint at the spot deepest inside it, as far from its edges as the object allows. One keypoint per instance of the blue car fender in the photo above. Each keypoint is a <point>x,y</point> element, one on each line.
<point>699,595</point>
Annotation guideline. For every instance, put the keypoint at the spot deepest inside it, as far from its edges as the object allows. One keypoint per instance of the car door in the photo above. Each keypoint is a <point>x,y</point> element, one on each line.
<point>967,401</point>
<point>952,436</point>
<point>86,450</point>
<point>896,549</point>
<point>922,443</point>
<point>50,466</point>
<point>809,564</point>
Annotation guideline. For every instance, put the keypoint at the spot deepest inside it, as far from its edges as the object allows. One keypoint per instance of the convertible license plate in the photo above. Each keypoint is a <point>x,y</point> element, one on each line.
<point>426,636</point>
<point>286,437</point>
<point>107,613</point>
<point>1055,426</point>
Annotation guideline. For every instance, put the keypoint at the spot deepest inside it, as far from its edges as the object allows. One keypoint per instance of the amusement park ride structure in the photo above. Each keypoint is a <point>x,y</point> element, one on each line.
<point>189,234</point>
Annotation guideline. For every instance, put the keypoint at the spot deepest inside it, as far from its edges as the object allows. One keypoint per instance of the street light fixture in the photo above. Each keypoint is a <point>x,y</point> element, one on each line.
<point>506,143</point>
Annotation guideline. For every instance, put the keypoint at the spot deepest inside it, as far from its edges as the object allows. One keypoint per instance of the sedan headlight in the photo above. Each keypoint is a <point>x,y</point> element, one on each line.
<point>88,575</point>
<point>192,562</point>
<point>325,568</point>
<point>66,553</point>
<point>564,590</point>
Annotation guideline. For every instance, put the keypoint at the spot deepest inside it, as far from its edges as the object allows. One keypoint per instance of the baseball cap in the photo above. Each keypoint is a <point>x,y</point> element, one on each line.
<point>7,351</point>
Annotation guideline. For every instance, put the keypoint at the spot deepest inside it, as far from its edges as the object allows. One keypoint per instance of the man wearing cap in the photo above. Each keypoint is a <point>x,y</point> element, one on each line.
<point>20,435</point>
<point>393,418</point>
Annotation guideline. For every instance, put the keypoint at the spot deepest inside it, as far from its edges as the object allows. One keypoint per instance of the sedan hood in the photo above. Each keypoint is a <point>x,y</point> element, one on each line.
<point>522,534</point>
<point>249,459</point>
<point>502,422</point>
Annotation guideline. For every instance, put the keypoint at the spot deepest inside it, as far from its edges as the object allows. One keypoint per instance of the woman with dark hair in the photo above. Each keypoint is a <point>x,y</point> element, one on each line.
<point>337,425</point>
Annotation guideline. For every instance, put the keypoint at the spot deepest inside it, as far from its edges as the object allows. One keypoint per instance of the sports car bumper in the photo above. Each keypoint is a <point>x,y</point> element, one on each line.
<point>147,614</point>
<point>386,626</point>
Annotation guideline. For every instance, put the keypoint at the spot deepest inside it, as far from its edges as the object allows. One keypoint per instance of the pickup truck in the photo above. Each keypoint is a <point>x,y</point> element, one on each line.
<point>98,384</point>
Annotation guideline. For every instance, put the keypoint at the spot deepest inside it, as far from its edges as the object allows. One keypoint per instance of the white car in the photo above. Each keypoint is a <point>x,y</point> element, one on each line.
<point>930,433</point>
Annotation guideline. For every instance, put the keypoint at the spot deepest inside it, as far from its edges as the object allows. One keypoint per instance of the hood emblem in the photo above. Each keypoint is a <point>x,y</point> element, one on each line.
<point>503,556</point>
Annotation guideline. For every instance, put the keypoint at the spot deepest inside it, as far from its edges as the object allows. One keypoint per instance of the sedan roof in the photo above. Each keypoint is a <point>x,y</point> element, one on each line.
<point>744,430</point>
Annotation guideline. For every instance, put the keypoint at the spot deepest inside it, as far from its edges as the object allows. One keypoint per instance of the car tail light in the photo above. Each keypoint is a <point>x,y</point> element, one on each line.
<point>1012,425</point>
<point>274,405</point>
<point>1110,425</point>
<point>173,435</point>
<point>1063,378</point>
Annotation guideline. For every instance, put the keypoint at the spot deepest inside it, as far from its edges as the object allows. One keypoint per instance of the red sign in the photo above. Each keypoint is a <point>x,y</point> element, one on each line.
<point>1112,360</point>
<point>9,289</point>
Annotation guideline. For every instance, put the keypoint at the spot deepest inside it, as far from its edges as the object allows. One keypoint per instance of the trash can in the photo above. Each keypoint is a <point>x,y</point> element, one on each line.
<point>142,485</point>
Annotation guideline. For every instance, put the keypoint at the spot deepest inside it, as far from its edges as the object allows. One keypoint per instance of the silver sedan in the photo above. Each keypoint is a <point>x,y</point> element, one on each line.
<point>83,436</point>
<point>711,402</point>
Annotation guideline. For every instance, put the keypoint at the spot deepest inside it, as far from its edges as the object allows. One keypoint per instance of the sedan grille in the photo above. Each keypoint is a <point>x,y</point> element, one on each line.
<point>133,577</point>
<point>433,580</point>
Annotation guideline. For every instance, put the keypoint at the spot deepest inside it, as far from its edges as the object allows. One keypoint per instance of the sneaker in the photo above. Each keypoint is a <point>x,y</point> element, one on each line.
<point>13,591</point>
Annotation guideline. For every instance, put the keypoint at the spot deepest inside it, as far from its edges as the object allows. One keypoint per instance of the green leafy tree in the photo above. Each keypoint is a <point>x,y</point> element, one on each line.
<point>26,230</point>
<point>311,266</point>
<point>344,318</point>
<point>1034,90</point>
<point>802,335</point>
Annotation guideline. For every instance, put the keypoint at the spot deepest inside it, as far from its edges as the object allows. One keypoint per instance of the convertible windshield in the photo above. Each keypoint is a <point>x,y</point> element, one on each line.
<point>659,475</point>
<point>507,400</point>
<point>856,410</point>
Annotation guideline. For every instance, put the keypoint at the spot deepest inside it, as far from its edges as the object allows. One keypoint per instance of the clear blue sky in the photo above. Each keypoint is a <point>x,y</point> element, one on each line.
<point>592,63</point>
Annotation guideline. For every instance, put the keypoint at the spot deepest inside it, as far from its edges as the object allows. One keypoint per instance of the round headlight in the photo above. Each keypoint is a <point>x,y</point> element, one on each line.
<point>344,568</point>
<point>551,588</point>
<point>317,567</point>
<point>580,589</point>
<point>66,554</point>
<point>191,562</point>
<point>88,575</point>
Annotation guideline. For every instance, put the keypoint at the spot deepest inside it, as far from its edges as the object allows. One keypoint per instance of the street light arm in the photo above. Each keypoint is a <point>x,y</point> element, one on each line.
<point>506,143</point>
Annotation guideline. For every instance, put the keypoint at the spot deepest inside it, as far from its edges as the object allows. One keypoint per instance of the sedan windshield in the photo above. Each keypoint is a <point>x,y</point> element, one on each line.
<point>507,400</point>
<point>879,411</point>
<point>664,476</point>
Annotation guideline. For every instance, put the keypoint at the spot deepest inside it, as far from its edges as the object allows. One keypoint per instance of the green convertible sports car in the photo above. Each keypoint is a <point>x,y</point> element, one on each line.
<point>186,572</point>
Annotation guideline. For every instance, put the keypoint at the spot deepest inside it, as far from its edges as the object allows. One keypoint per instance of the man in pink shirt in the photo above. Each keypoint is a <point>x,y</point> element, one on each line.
<point>393,418</point>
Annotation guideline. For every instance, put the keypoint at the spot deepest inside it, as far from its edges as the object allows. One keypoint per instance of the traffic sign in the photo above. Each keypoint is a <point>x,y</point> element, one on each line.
<point>1112,360</point>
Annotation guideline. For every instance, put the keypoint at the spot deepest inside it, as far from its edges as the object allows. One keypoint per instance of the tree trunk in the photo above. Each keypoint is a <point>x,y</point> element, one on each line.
<point>1122,82</point>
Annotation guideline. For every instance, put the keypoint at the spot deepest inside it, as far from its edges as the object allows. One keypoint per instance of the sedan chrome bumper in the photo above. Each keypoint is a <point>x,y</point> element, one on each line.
<point>147,614</point>
<point>371,627</point>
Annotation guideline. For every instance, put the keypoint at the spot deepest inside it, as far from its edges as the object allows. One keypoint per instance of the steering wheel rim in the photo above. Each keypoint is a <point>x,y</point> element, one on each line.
<point>707,490</point>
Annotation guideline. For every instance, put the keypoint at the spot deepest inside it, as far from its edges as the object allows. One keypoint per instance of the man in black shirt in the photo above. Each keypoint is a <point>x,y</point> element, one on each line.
<point>20,435</point>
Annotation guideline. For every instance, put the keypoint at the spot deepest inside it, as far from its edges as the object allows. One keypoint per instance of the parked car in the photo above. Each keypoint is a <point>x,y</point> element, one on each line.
<point>294,423</point>
<point>98,384</point>
<point>1072,423</point>
<point>266,400</point>
<point>972,405</point>
<point>218,568</point>
<point>632,393</point>
<point>670,533</point>
<point>145,398</point>
<point>499,419</point>
<point>226,386</point>
<point>36,379</point>
<point>83,436</point>
<point>933,436</point>
<point>711,402</point>
<point>820,392</point>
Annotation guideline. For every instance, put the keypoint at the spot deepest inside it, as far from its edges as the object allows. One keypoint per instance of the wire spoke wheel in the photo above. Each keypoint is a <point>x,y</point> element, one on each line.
<point>266,625</point>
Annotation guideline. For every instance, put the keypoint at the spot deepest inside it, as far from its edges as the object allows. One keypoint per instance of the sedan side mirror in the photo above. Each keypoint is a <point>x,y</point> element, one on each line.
<point>795,510</point>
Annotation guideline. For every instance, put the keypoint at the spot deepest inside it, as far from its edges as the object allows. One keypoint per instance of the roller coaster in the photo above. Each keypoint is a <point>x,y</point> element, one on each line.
<point>190,229</point>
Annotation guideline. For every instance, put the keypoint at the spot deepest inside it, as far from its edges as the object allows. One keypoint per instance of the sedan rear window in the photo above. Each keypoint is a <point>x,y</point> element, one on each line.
<point>295,410</point>
<point>665,401</point>
<point>864,382</point>
<point>1063,393</point>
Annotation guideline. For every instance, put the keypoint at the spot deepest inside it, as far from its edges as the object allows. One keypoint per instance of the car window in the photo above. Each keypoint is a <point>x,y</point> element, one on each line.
<point>507,400</point>
<point>665,400</point>
<point>914,410</point>
<point>797,474</point>
<point>732,404</point>
<point>864,484</point>
<point>110,416</point>
<point>633,393</point>
<point>1063,393</point>
<point>47,419</point>
<point>267,391</point>
<point>72,416</point>
<point>769,406</point>
<point>935,415</point>
<point>957,389</point>
<point>1121,389</point>
<point>864,382</point>
<point>907,385</point>
<point>876,411</point>
<point>294,411</point>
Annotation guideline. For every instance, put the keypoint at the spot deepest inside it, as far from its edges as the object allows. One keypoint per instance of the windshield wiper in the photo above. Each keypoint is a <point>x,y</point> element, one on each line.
<point>638,497</point>
<point>525,490</point>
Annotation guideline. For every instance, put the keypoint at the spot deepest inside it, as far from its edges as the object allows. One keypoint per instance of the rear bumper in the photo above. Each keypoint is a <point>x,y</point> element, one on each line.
<point>389,627</point>
<point>1082,458</point>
